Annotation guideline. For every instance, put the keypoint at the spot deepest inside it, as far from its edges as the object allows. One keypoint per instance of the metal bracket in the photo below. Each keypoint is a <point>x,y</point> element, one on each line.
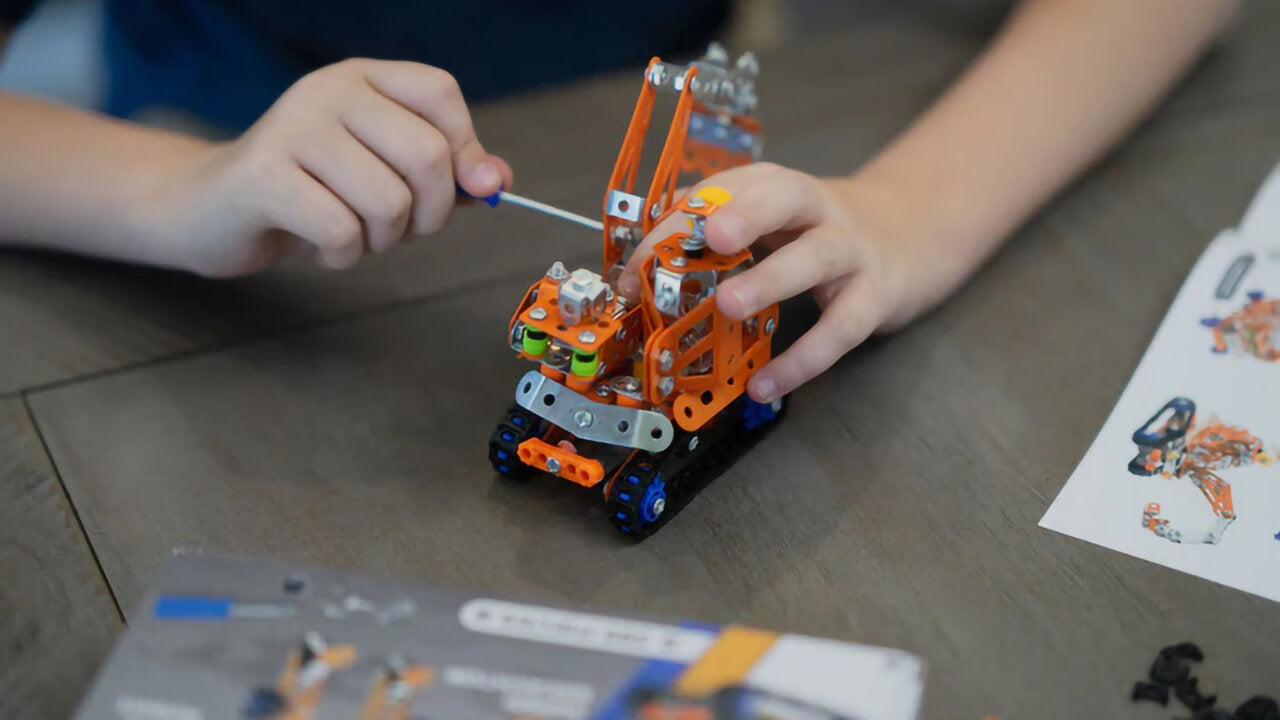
<point>625,206</point>
<point>597,422</point>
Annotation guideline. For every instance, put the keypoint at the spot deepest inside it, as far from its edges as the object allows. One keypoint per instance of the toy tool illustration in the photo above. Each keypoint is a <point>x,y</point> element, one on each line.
<point>646,399</point>
<point>1172,444</point>
<point>1254,330</point>
<point>302,683</point>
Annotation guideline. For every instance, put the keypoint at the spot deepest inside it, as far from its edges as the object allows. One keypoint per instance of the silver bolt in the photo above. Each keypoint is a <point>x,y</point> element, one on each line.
<point>622,333</point>
<point>665,360</point>
<point>583,418</point>
<point>768,326</point>
<point>658,75</point>
<point>693,443</point>
<point>749,325</point>
<point>666,385</point>
<point>659,504</point>
<point>557,271</point>
<point>587,336</point>
<point>696,202</point>
<point>603,391</point>
<point>678,261</point>
<point>631,384</point>
<point>538,314</point>
<point>553,465</point>
<point>655,211</point>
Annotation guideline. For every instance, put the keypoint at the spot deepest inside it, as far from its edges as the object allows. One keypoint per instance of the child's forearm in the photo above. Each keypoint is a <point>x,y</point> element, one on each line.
<point>1063,81</point>
<point>81,183</point>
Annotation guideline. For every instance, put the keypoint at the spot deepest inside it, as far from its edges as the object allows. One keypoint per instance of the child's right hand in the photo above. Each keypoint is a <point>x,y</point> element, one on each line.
<point>354,158</point>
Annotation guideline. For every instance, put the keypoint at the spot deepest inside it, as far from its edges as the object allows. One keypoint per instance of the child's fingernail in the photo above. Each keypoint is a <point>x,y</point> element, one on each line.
<point>629,286</point>
<point>746,300</point>
<point>765,389</point>
<point>486,174</point>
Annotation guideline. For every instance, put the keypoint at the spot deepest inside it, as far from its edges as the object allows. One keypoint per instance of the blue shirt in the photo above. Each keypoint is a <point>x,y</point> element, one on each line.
<point>226,61</point>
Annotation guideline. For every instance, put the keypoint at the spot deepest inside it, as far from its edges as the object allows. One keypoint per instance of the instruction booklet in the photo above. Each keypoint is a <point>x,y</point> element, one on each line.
<point>1185,472</point>
<point>239,637</point>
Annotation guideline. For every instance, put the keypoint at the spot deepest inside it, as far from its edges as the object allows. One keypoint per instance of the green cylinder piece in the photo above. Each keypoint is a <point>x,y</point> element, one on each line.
<point>534,342</point>
<point>584,364</point>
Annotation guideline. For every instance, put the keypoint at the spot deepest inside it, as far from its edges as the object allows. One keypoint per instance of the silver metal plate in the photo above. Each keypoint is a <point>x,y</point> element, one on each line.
<point>625,206</point>
<point>610,424</point>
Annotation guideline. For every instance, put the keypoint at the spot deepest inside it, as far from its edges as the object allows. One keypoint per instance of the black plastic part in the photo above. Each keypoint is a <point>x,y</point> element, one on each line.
<point>535,334</point>
<point>1171,667</point>
<point>519,425</point>
<point>720,444</point>
<point>1150,692</point>
<point>1257,708</point>
<point>1188,693</point>
<point>1186,651</point>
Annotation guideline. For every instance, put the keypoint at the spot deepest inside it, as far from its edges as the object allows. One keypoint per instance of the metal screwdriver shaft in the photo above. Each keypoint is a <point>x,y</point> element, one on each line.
<point>549,210</point>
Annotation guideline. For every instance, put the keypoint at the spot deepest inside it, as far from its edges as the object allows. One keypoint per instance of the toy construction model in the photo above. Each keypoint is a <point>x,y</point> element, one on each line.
<point>729,703</point>
<point>646,400</point>
<point>1171,444</point>
<point>1255,329</point>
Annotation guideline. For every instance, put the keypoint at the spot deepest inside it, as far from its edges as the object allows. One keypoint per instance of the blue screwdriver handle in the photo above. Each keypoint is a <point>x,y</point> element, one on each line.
<point>491,201</point>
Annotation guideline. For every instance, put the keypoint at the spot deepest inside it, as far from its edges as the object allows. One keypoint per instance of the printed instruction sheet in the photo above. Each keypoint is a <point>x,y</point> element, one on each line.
<point>1185,472</point>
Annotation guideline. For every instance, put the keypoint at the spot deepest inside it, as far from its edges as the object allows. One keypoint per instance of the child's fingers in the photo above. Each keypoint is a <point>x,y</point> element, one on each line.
<point>772,199</point>
<point>307,209</point>
<point>629,282</point>
<point>434,94</point>
<point>372,189</point>
<point>814,258</point>
<point>845,324</point>
<point>414,148</point>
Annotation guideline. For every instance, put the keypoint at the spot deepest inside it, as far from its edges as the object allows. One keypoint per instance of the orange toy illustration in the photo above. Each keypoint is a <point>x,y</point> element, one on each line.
<point>302,683</point>
<point>393,691</point>
<point>1173,445</point>
<point>646,400</point>
<point>1255,329</point>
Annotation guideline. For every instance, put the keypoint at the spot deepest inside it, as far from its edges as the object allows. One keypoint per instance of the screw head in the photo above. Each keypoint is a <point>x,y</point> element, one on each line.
<point>603,391</point>
<point>553,465</point>
<point>693,443</point>
<point>655,211</point>
<point>587,336</point>
<point>696,202</point>
<point>768,326</point>
<point>658,505</point>
<point>538,313</point>
<point>583,418</point>
<point>665,360</point>
<point>678,261</point>
<point>666,385</point>
<point>622,333</point>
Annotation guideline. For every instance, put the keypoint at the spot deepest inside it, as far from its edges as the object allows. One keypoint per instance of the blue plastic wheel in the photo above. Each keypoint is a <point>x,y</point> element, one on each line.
<point>756,415</point>
<point>654,500</point>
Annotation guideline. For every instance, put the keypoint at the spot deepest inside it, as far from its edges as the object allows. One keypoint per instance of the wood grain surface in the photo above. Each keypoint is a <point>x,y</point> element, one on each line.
<point>57,617</point>
<point>341,418</point>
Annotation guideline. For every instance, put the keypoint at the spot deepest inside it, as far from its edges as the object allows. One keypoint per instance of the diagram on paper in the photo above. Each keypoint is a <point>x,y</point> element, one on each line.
<point>1184,472</point>
<point>1175,444</point>
<point>1254,330</point>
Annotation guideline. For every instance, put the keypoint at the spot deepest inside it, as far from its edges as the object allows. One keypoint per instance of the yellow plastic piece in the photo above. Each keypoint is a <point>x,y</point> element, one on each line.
<point>714,195</point>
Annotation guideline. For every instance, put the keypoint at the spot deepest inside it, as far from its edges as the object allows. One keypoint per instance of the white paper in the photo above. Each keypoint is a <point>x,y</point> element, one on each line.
<point>1104,503</point>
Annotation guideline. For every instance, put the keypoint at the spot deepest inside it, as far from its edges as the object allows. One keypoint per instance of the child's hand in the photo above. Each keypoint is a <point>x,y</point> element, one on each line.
<point>355,157</point>
<point>816,240</point>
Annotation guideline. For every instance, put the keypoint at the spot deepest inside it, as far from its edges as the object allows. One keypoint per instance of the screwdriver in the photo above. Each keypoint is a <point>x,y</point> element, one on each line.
<point>504,196</point>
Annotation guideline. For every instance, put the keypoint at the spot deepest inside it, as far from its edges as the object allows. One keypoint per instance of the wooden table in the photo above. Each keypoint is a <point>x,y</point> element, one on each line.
<point>342,418</point>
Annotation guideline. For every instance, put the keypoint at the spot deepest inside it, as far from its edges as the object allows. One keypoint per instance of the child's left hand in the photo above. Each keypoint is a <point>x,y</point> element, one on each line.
<point>829,236</point>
